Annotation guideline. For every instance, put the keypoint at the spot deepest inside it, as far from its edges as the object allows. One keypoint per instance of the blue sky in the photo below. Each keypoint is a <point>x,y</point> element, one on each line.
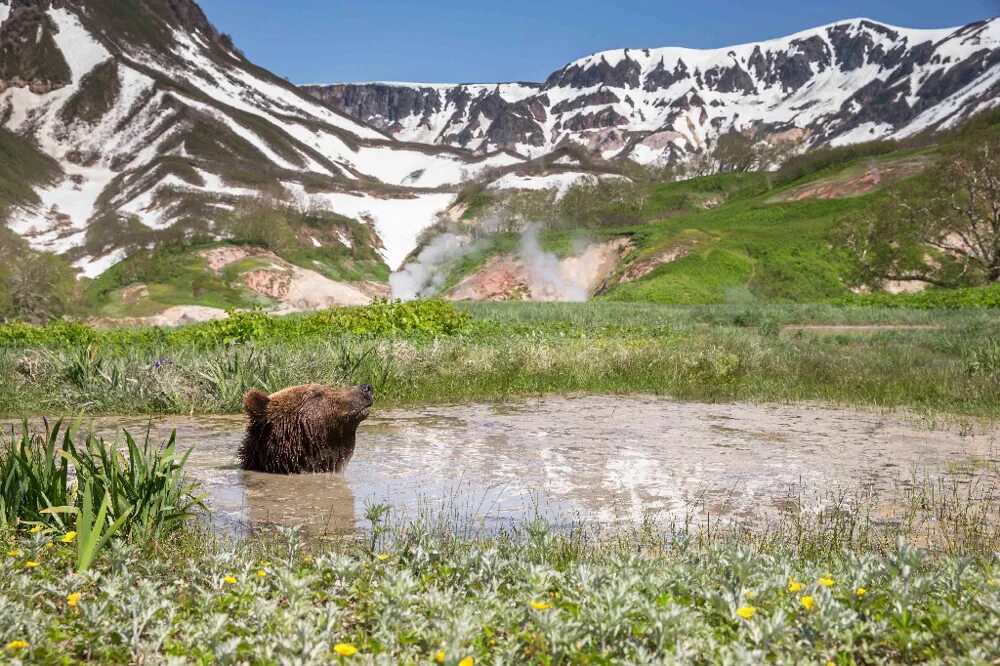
<point>316,41</point>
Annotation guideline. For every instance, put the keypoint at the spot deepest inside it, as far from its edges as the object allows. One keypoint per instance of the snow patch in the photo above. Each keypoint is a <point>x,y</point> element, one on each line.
<point>862,133</point>
<point>398,222</point>
<point>561,182</point>
<point>91,267</point>
<point>58,223</point>
<point>82,52</point>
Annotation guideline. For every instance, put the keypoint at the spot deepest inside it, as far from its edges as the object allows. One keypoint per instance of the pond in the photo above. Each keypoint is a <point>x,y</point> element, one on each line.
<point>594,459</point>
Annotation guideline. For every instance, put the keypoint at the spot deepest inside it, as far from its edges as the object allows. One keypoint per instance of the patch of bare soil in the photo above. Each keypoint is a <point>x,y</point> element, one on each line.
<point>873,178</point>
<point>135,293</point>
<point>503,278</point>
<point>372,289</point>
<point>294,288</point>
<point>902,286</point>
<point>271,284</point>
<point>593,267</point>
<point>455,213</point>
<point>308,290</point>
<point>508,278</point>
<point>220,257</point>
<point>177,315</point>
<point>644,267</point>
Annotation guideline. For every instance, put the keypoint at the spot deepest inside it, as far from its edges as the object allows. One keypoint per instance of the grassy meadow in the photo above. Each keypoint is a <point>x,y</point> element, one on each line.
<point>422,597</point>
<point>923,360</point>
<point>104,559</point>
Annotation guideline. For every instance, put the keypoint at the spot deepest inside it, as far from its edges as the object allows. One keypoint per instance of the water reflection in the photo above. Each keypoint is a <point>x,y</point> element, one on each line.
<point>323,501</point>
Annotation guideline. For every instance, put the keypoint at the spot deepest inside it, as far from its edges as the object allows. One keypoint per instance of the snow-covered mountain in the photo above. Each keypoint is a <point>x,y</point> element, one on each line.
<point>131,123</point>
<point>848,82</point>
<point>156,126</point>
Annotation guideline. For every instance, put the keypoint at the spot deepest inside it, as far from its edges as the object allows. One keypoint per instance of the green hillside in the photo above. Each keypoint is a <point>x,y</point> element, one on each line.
<point>731,237</point>
<point>178,273</point>
<point>745,247</point>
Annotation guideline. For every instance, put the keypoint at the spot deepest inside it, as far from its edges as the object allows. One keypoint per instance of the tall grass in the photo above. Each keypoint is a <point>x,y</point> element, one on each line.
<point>740,351</point>
<point>145,483</point>
<point>140,494</point>
<point>33,476</point>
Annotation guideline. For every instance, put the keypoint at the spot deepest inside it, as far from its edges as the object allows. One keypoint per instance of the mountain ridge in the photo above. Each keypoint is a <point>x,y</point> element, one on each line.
<point>659,104</point>
<point>162,130</point>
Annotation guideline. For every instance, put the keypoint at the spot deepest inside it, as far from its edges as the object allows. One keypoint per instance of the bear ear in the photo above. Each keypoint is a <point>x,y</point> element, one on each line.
<point>255,403</point>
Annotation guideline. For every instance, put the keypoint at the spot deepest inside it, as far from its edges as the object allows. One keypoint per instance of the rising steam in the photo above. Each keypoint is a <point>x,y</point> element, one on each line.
<point>546,277</point>
<point>423,277</point>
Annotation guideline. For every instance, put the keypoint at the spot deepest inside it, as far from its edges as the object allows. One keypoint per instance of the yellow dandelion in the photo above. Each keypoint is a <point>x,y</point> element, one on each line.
<point>13,553</point>
<point>69,537</point>
<point>439,656</point>
<point>808,603</point>
<point>265,563</point>
<point>794,585</point>
<point>73,599</point>
<point>746,612</point>
<point>541,605</point>
<point>261,573</point>
<point>826,580</point>
<point>345,649</point>
<point>383,557</point>
<point>861,592</point>
<point>229,580</point>
<point>468,661</point>
<point>31,564</point>
<point>49,545</point>
<point>751,594</point>
<point>17,645</point>
<point>36,529</point>
<point>989,581</point>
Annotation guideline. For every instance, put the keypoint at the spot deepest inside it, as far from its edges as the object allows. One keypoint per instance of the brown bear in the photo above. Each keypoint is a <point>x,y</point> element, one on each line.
<point>301,429</point>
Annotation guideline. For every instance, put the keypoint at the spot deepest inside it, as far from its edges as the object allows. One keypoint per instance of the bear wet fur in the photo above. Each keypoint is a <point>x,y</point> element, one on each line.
<point>303,429</point>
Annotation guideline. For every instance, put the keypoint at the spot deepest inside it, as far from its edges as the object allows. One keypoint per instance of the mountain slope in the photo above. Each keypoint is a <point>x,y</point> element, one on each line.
<point>847,82</point>
<point>161,130</point>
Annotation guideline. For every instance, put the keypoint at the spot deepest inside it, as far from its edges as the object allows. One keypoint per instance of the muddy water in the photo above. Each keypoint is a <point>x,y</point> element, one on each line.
<point>577,459</point>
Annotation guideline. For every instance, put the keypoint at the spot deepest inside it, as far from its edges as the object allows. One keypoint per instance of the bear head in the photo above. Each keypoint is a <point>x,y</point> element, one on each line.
<point>309,428</point>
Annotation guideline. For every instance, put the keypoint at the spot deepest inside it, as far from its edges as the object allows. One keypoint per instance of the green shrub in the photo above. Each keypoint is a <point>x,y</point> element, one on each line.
<point>381,318</point>
<point>931,298</point>
<point>33,477</point>
<point>145,486</point>
<point>142,493</point>
<point>432,317</point>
